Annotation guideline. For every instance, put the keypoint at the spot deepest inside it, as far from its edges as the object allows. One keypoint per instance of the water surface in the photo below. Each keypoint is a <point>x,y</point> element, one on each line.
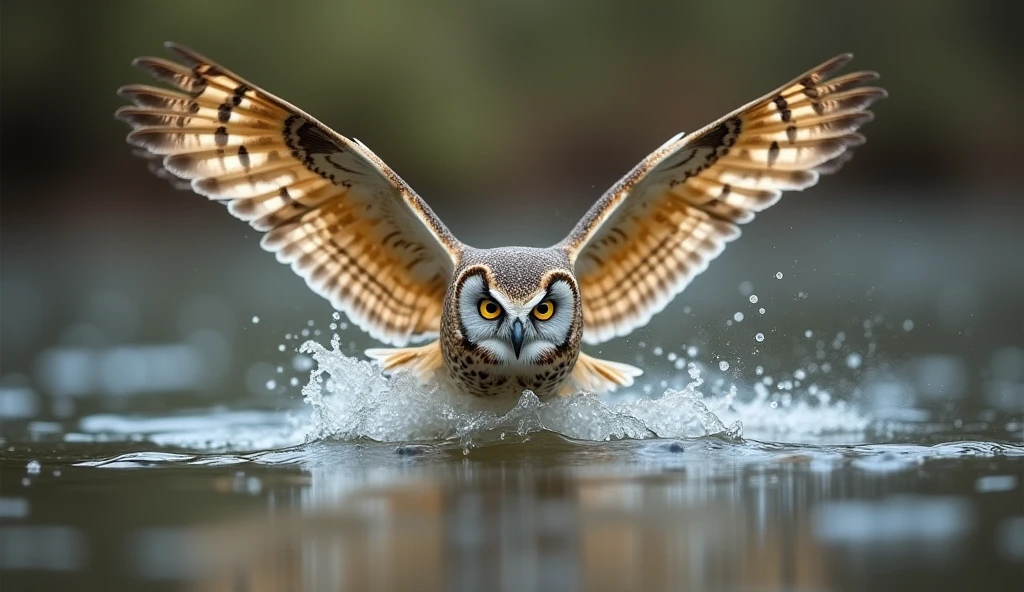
<point>375,483</point>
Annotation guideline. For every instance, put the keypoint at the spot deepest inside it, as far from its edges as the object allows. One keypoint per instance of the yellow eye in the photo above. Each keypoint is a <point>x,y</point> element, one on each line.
<point>489,309</point>
<point>544,310</point>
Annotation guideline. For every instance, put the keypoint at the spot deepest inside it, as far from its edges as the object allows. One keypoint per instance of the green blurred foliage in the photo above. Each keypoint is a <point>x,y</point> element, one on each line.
<point>467,96</point>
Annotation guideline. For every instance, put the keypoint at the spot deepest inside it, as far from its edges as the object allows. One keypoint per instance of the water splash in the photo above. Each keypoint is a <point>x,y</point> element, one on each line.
<point>351,399</point>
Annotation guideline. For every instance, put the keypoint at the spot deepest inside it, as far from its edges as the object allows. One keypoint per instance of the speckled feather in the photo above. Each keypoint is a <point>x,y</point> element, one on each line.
<point>519,273</point>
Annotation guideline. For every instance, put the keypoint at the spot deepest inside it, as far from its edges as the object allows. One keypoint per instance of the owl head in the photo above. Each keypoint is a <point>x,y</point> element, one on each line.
<point>519,305</point>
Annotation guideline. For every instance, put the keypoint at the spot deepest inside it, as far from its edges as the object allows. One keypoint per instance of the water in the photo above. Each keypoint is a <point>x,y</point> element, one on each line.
<point>372,483</point>
<point>775,450</point>
<point>533,512</point>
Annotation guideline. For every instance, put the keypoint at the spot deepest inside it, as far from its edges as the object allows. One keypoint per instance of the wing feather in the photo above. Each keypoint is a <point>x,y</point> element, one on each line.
<point>660,226</point>
<point>330,208</point>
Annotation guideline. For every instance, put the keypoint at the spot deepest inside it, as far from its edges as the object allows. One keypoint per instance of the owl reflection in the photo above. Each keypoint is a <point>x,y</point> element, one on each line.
<point>491,322</point>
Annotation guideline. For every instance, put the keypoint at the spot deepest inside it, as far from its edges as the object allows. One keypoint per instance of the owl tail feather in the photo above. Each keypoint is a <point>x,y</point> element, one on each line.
<point>598,376</point>
<point>422,361</point>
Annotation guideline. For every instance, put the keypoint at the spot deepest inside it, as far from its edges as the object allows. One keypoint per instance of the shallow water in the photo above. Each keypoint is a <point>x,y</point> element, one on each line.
<point>375,483</point>
<point>536,512</point>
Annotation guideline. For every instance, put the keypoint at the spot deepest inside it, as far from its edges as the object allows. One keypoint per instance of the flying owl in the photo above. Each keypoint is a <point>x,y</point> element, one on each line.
<point>499,321</point>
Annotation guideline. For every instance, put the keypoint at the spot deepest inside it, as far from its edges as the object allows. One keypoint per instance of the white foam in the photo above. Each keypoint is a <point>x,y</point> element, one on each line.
<point>351,399</point>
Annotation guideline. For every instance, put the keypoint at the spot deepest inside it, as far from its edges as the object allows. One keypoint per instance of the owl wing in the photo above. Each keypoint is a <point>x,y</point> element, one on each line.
<point>329,206</point>
<point>661,225</point>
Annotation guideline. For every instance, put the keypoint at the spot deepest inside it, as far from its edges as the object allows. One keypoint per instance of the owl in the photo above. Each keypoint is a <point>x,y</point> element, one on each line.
<point>487,322</point>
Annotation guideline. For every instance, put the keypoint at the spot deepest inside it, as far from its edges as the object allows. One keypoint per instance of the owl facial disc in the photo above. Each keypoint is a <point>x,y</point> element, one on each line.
<point>521,332</point>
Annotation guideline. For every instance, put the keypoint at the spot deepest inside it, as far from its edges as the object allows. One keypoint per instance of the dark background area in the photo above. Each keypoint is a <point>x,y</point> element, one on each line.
<point>510,120</point>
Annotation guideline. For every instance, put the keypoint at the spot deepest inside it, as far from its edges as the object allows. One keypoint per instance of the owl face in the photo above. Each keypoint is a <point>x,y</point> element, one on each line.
<point>524,330</point>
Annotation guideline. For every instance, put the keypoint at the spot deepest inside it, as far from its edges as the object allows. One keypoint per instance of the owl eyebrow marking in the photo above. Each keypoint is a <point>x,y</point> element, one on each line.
<point>537,299</point>
<point>505,304</point>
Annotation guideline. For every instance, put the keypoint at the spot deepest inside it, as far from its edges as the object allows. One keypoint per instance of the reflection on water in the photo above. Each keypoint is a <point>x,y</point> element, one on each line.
<point>539,512</point>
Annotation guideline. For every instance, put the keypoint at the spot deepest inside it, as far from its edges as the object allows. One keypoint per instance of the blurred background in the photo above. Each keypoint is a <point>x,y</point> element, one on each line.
<point>510,119</point>
<point>896,286</point>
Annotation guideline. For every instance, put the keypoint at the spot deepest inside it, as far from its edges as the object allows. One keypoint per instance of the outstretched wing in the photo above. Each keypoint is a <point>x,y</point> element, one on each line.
<point>330,208</point>
<point>658,227</point>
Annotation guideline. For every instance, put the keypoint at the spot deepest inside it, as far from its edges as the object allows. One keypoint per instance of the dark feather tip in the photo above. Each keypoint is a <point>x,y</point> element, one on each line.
<point>189,55</point>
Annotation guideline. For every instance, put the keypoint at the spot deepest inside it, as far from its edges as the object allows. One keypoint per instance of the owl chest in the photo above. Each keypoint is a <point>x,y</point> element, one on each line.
<point>473,373</point>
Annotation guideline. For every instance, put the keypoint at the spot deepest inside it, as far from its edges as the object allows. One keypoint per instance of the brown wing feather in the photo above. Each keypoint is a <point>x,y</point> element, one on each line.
<point>330,208</point>
<point>661,225</point>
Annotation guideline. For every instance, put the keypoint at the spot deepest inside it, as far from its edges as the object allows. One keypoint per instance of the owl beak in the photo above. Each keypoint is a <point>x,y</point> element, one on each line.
<point>517,336</point>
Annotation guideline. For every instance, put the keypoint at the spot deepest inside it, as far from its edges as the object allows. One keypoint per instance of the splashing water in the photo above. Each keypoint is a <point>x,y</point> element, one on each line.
<point>351,399</point>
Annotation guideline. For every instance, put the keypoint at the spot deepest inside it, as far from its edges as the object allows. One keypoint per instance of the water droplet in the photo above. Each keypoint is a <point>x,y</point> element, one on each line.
<point>778,275</point>
<point>808,334</point>
<point>302,363</point>
<point>658,351</point>
<point>281,348</point>
<point>753,298</point>
<point>33,467</point>
<point>800,374</point>
<point>692,351</point>
<point>723,365</point>
<point>759,370</point>
<point>759,337</point>
<point>761,310</point>
<point>738,317</point>
<point>271,384</point>
<point>334,326</point>
<point>255,320</point>
<point>908,325</point>
<point>294,381</point>
<point>853,361</point>
<point>336,315</point>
